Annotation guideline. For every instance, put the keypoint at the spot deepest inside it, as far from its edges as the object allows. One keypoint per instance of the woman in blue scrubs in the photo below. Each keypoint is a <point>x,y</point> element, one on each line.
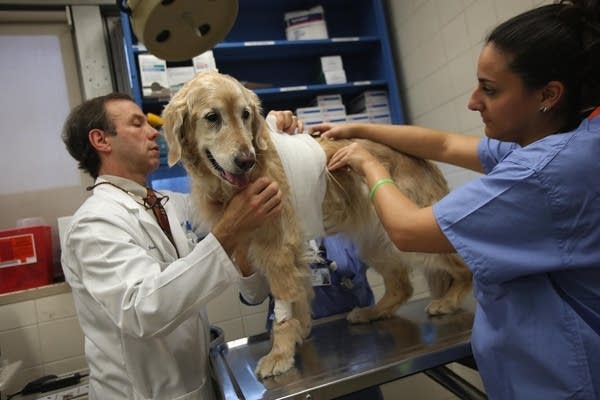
<point>529,228</point>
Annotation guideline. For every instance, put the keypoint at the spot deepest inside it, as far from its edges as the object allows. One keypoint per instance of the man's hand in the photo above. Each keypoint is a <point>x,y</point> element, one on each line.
<point>286,121</point>
<point>246,211</point>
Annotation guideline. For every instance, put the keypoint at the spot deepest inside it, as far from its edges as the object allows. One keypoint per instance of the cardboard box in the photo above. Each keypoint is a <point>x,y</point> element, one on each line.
<point>306,24</point>
<point>25,258</point>
<point>309,123</point>
<point>377,109</point>
<point>336,76</point>
<point>333,113</point>
<point>371,99</point>
<point>380,118</point>
<point>328,100</point>
<point>204,62</point>
<point>337,120</point>
<point>360,117</point>
<point>153,74</point>
<point>309,113</point>
<point>331,63</point>
<point>179,76</point>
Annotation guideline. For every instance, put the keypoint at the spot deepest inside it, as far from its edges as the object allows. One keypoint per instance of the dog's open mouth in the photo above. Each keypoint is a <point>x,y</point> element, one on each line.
<point>239,180</point>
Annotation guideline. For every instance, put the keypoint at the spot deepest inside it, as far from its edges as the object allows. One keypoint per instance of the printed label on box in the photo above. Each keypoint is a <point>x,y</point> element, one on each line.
<point>333,77</point>
<point>179,76</point>
<point>205,62</point>
<point>306,24</point>
<point>17,250</point>
<point>331,63</point>
<point>153,72</point>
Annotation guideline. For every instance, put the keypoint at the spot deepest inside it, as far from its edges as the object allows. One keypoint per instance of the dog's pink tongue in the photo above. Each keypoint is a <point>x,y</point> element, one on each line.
<point>240,180</point>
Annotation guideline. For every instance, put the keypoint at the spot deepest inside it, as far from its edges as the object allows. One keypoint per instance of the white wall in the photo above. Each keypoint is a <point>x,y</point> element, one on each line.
<point>44,334</point>
<point>40,85</point>
<point>436,44</point>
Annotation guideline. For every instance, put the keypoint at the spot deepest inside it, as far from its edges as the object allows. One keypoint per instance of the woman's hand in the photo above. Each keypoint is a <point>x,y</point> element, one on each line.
<point>286,121</point>
<point>354,156</point>
<point>335,131</point>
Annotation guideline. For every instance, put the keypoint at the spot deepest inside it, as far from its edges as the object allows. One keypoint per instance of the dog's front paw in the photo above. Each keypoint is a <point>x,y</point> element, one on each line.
<point>441,307</point>
<point>273,364</point>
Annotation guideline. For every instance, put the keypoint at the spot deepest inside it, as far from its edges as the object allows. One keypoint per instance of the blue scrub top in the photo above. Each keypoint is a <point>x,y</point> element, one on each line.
<point>530,232</point>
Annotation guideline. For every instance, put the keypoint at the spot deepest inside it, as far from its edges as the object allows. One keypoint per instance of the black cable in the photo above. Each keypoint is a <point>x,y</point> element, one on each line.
<point>10,396</point>
<point>48,383</point>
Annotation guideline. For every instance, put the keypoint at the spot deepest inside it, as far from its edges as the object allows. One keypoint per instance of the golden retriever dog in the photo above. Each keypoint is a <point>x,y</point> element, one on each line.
<point>215,127</point>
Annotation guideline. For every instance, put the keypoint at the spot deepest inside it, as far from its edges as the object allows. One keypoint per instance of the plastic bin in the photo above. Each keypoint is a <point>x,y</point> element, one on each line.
<point>25,258</point>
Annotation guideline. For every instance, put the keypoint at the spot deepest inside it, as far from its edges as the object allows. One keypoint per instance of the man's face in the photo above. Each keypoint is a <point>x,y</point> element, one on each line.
<point>134,150</point>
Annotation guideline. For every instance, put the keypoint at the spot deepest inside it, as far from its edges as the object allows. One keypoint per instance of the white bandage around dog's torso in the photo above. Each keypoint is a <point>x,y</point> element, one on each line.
<point>304,163</point>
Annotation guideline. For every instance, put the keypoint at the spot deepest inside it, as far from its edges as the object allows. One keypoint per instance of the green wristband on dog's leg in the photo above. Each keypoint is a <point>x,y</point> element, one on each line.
<point>378,183</point>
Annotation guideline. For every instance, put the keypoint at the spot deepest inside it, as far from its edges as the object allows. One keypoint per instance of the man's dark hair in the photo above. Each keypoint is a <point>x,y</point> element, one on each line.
<point>90,114</point>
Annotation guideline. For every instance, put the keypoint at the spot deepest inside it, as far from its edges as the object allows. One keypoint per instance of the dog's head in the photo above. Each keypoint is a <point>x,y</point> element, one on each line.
<point>215,123</point>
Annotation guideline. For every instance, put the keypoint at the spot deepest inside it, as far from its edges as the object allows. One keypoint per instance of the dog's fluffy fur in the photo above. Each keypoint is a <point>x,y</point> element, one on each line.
<point>215,127</point>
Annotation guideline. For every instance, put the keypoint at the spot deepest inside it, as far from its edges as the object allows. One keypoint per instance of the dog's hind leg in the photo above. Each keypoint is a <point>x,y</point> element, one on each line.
<point>449,283</point>
<point>398,290</point>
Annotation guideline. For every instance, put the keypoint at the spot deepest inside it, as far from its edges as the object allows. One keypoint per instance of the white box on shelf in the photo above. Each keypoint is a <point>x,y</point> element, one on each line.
<point>331,63</point>
<point>336,112</point>
<point>153,75</point>
<point>204,62</point>
<point>309,123</point>
<point>359,117</point>
<point>368,99</point>
<point>328,100</point>
<point>179,76</point>
<point>377,109</point>
<point>309,113</point>
<point>336,76</point>
<point>306,24</point>
<point>337,120</point>
<point>380,118</point>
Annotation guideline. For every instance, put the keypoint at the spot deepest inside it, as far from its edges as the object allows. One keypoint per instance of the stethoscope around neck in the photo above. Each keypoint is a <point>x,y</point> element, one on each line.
<point>143,201</point>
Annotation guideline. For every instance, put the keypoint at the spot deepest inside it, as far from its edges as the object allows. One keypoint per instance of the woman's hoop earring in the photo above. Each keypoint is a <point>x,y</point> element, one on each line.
<point>544,109</point>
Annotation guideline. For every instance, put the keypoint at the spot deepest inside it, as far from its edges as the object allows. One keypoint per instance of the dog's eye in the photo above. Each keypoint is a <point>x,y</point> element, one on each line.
<point>245,114</point>
<point>212,117</point>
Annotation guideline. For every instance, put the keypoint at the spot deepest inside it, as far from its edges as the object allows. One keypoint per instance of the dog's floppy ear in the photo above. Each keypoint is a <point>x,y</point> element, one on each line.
<point>258,123</point>
<point>174,116</point>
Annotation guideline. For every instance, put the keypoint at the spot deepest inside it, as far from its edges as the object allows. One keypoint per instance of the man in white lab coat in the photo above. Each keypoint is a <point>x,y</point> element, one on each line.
<point>141,297</point>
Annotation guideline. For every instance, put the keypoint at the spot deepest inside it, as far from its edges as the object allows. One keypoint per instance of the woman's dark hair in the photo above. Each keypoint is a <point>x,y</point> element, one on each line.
<point>557,42</point>
<point>90,114</point>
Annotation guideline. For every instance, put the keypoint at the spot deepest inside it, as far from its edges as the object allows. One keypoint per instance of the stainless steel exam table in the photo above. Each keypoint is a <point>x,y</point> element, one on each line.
<point>340,358</point>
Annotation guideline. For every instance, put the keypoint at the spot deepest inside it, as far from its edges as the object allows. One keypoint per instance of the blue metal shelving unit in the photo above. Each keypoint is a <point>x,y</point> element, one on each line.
<point>289,71</point>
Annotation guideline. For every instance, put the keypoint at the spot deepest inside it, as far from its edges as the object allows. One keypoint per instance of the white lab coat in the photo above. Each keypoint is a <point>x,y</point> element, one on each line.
<point>141,309</point>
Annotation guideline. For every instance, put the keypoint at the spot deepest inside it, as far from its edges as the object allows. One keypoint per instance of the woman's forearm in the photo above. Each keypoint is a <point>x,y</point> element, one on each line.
<point>431,144</point>
<point>410,227</point>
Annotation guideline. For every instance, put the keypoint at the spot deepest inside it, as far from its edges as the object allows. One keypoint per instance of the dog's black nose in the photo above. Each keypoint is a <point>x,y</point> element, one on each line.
<point>244,162</point>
